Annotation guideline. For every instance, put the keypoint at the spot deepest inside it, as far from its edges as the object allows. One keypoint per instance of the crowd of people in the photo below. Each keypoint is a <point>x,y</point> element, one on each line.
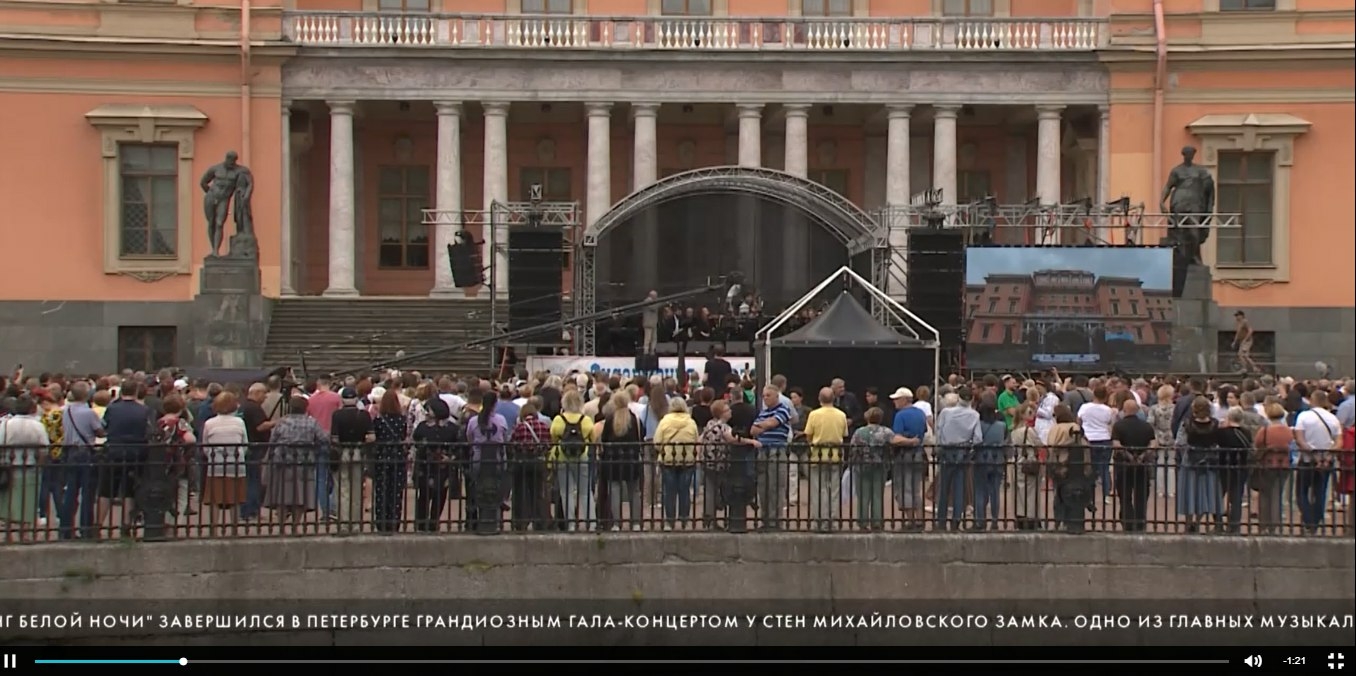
<point>583,452</point>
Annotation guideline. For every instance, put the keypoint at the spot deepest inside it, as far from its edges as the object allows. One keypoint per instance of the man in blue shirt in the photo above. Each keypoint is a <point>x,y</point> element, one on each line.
<point>82,428</point>
<point>910,470</point>
<point>772,429</point>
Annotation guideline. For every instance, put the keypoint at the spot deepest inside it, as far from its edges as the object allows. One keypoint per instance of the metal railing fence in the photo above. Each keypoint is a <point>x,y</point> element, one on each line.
<point>155,492</point>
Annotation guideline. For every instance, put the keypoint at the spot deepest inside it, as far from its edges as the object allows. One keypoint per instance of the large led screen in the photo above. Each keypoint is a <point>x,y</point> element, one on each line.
<point>1074,308</point>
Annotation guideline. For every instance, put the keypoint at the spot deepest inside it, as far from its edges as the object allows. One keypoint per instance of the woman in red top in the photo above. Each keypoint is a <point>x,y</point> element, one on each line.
<point>1270,463</point>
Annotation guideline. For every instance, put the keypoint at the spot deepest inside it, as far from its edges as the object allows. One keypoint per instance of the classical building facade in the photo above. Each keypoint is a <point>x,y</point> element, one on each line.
<point>357,115</point>
<point>1005,308</point>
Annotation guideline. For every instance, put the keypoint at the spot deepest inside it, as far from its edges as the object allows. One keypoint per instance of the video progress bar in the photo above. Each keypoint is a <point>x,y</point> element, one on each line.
<point>933,662</point>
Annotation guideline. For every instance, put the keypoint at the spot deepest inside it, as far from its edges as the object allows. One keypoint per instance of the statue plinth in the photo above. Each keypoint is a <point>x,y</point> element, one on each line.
<point>1194,342</point>
<point>230,313</point>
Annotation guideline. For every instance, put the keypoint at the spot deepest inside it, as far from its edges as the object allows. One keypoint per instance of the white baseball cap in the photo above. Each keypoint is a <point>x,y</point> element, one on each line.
<point>902,393</point>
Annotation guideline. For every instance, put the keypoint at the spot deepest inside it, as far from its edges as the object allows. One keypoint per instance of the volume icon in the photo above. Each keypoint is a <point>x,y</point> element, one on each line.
<point>1253,661</point>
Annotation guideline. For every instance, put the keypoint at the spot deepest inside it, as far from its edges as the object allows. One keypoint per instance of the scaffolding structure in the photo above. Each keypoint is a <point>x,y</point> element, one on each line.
<point>1118,223</point>
<point>855,229</point>
<point>494,224</point>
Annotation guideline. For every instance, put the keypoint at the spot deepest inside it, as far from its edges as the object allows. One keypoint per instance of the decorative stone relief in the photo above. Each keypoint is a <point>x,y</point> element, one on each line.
<point>149,276</point>
<point>546,150</point>
<point>687,152</point>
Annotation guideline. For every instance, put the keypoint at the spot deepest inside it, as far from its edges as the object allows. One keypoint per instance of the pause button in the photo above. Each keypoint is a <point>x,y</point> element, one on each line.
<point>11,661</point>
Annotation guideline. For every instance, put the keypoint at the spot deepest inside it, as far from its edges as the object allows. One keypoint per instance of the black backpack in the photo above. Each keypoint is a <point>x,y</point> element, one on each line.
<point>572,439</point>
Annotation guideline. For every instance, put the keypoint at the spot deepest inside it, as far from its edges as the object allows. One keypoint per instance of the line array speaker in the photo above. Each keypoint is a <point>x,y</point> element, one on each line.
<point>467,270</point>
<point>936,279</point>
<point>535,279</point>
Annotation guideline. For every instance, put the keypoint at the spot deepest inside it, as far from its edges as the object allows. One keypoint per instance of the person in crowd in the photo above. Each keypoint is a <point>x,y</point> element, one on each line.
<point>1096,418</point>
<point>175,433</point>
<point>436,441</point>
<point>825,431</point>
<point>1008,401</point>
<point>225,449</point>
<point>530,503</point>
<point>1160,417</point>
<point>620,459</point>
<point>1198,490</point>
<point>772,427</point>
<point>388,463</point>
<point>870,450</point>
<point>83,430</point>
<point>1134,442</point>
<point>1317,434</point>
<point>1072,470</point>
<point>845,401</point>
<point>294,442</point>
<point>572,435</point>
<point>909,470</point>
<point>958,433</point>
<point>676,450</point>
<point>1029,458</point>
<point>351,431</point>
<point>1235,444</point>
<point>487,433</point>
<point>1270,462</point>
<point>51,464</point>
<point>128,422</point>
<point>23,440</point>
<point>990,461</point>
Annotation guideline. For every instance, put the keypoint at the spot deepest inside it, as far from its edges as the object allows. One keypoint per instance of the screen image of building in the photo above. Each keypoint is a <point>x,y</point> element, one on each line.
<point>1066,318</point>
<point>356,115</point>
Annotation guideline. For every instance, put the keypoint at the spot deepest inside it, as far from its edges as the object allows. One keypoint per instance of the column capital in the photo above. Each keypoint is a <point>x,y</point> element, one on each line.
<point>452,108</point>
<point>796,109</point>
<point>495,108</point>
<point>945,111</point>
<point>341,107</point>
<point>1049,112</point>
<point>644,109</point>
<point>749,110</point>
<point>1104,111</point>
<point>899,111</point>
<point>598,109</point>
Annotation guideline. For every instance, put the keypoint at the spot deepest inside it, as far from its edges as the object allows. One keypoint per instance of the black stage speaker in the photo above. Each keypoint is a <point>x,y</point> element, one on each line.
<point>646,363</point>
<point>936,281</point>
<point>534,274</point>
<point>467,270</point>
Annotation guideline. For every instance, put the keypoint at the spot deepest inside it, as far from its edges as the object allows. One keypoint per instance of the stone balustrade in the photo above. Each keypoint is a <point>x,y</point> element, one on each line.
<point>371,29</point>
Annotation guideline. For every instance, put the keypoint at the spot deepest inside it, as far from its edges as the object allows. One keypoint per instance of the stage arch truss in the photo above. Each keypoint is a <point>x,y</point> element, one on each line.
<point>858,232</point>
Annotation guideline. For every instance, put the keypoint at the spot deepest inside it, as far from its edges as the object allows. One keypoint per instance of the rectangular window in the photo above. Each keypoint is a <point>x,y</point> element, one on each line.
<point>548,6</point>
<point>1134,307</point>
<point>685,7</point>
<point>1012,307</point>
<point>555,183</point>
<point>402,196</point>
<point>984,331</point>
<point>971,186</point>
<point>833,179</point>
<point>826,7</point>
<point>147,348</point>
<point>1115,308</point>
<point>404,5</point>
<point>967,7</point>
<point>1246,5</point>
<point>993,305</point>
<point>1246,185</point>
<point>149,174</point>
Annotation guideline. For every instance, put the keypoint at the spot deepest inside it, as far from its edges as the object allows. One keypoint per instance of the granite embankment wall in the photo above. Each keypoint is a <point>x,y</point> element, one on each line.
<point>714,588</point>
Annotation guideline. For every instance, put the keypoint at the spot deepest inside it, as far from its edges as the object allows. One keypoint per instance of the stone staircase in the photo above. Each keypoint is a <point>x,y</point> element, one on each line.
<point>342,334</point>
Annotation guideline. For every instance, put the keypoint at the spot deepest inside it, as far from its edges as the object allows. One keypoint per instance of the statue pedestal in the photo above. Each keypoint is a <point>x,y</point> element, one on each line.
<point>1194,338</point>
<point>230,314</point>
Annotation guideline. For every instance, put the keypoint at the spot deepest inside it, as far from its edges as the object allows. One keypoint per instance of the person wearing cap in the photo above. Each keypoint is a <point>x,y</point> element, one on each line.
<point>910,426</point>
<point>350,429</point>
<point>435,441</point>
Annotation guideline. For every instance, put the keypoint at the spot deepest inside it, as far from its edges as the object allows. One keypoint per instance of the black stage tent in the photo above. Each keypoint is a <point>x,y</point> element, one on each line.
<point>846,342</point>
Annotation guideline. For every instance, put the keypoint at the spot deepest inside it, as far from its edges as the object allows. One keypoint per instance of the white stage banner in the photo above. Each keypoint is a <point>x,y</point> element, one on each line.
<point>625,367</point>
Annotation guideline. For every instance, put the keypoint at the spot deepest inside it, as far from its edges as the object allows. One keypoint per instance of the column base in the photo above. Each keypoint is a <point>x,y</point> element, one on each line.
<point>447,293</point>
<point>340,293</point>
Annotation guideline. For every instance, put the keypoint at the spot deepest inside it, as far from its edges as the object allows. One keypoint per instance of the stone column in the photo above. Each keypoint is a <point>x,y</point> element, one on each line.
<point>496,190</point>
<point>447,197</point>
<point>748,225</point>
<point>750,134</point>
<point>285,270</point>
<point>897,195</point>
<point>645,171</point>
<point>797,157</point>
<point>1103,166</point>
<point>944,151</point>
<point>796,229</point>
<point>343,235</point>
<point>1048,153</point>
<point>599,194</point>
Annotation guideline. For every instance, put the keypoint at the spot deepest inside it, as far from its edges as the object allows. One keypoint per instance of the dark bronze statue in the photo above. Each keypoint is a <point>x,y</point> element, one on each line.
<point>1192,192</point>
<point>222,184</point>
